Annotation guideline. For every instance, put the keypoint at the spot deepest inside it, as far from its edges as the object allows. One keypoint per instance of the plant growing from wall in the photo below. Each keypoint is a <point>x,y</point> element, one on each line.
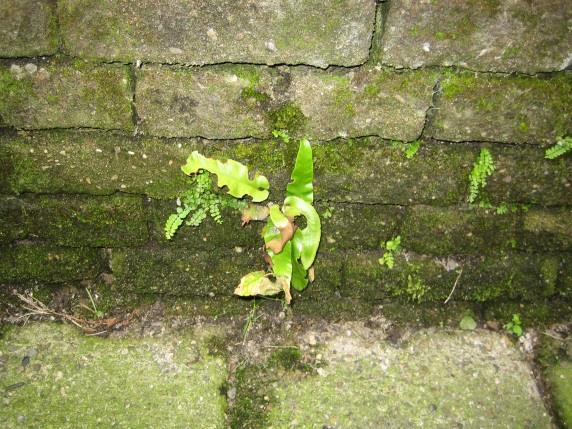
<point>482,169</point>
<point>291,250</point>
<point>391,248</point>
<point>562,146</point>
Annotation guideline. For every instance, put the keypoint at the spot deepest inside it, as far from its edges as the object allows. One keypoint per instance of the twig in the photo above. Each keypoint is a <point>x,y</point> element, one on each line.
<point>454,286</point>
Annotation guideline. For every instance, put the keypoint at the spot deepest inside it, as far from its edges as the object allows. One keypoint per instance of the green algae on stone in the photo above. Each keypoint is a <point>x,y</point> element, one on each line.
<point>60,95</point>
<point>560,381</point>
<point>50,264</point>
<point>362,102</point>
<point>191,33</point>
<point>548,230</point>
<point>515,109</point>
<point>75,381</point>
<point>179,272</point>
<point>388,388</point>
<point>11,227</point>
<point>27,28</point>
<point>480,35</point>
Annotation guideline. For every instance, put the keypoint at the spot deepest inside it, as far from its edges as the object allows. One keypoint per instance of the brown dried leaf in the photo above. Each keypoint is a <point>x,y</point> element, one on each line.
<point>254,212</point>
<point>286,234</point>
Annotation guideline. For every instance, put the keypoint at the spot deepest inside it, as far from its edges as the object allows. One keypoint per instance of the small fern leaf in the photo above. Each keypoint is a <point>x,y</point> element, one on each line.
<point>172,225</point>
<point>562,146</point>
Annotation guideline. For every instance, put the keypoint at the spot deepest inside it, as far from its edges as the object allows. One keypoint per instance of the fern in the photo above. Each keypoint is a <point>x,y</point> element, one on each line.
<point>563,145</point>
<point>482,168</point>
<point>199,202</point>
<point>391,248</point>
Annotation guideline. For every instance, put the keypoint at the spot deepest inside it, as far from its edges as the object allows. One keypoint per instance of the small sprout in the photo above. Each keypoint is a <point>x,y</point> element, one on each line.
<point>467,323</point>
<point>514,327</point>
<point>391,248</point>
<point>562,146</point>
<point>482,168</point>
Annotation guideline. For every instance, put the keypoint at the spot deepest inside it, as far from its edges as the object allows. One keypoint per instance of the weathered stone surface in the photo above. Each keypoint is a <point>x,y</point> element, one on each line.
<point>454,230</point>
<point>418,278</point>
<point>76,381</point>
<point>181,272</point>
<point>356,226</point>
<point>565,277</point>
<point>206,32</point>
<point>212,102</point>
<point>27,28</point>
<point>56,95</point>
<point>91,162</point>
<point>362,102</point>
<point>33,262</point>
<point>503,109</point>
<point>480,35</point>
<point>367,382</point>
<point>249,101</point>
<point>548,230</point>
<point>77,220</point>
<point>560,380</point>
<point>11,225</point>
<point>539,313</point>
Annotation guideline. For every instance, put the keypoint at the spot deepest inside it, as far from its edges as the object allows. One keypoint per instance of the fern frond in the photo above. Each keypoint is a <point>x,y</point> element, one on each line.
<point>563,145</point>
<point>482,168</point>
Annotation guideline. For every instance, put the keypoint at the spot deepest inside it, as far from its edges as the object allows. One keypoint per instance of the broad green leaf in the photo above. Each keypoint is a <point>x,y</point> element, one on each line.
<point>278,218</point>
<point>467,323</point>
<point>232,174</point>
<point>270,232</point>
<point>303,174</point>
<point>305,241</point>
<point>299,275</point>
<point>258,283</point>
<point>282,262</point>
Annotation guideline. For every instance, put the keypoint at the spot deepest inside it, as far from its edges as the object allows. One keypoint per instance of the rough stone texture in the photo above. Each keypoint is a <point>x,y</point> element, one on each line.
<point>560,380</point>
<point>249,101</point>
<point>365,382</point>
<point>548,230</point>
<point>362,102</point>
<point>76,220</point>
<point>34,262</point>
<point>490,35</point>
<point>27,28</point>
<point>210,102</point>
<point>56,95</point>
<point>450,230</point>
<point>418,278</point>
<point>180,272</point>
<point>76,381</point>
<point>90,162</point>
<point>503,109</point>
<point>206,32</point>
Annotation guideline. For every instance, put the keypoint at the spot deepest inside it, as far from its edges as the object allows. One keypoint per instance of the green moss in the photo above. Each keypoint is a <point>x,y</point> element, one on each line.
<point>216,345</point>
<point>14,91</point>
<point>288,117</point>
<point>439,35</point>
<point>287,357</point>
<point>560,380</point>
<point>549,273</point>
<point>251,93</point>
<point>250,407</point>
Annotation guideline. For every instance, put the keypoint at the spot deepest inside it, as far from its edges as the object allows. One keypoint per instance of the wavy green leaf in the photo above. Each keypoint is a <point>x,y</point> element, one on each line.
<point>258,283</point>
<point>299,278</point>
<point>231,174</point>
<point>305,241</point>
<point>282,262</point>
<point>303,174</point>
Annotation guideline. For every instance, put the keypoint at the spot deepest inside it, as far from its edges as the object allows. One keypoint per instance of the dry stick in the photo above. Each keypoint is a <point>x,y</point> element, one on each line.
<point>454,286</point>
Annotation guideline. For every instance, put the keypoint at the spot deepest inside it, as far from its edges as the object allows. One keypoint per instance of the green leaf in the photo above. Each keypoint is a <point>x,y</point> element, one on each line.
<point>258,283</point>
<point>305,241</point>
<point>270,231</point>
<point>299,275</point>
<point>468,323</point>
<point>232,174</point>
<point>277,217</point>
<point>563,145</point>
<point>282,262</point>
<point>303,174</point>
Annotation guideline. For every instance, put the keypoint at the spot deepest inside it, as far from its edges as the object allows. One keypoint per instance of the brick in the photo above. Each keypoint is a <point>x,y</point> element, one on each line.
<point>41,94</point>
<point>205,32</point>
<point>11,220</point>
<point>249,101</point>
<point>27,28</point>
<point>503,109</point>
<point>48,264</point>
<point>182,272</point>
<point>480,35</point>
<point>548,229</point>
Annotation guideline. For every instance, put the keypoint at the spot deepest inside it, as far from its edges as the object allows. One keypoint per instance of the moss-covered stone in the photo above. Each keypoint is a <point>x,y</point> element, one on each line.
<point>419,279</point>
<point>76,381</point>
<point>11,225</point>
<point>383,389</point>
<point>210,32</point>
<point>93,163</point>
<point>565,277</point>
<point>181,272</point>
<point>503,109</point>
<point>538,314</point>
<point>560,380</point>
<point>480,35</point>
<point>548,230</point>
<point>59,95</point>
<point>453,230</point>
<point>32,262</point>
<point>362,102</point>
<point>27,28</point>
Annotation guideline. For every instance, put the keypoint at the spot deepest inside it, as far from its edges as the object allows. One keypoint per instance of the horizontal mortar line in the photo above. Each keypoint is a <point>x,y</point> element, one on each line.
<point>235,140</point>
<point>330,67</point>
<point>477,255</point>
<point>118,193</point>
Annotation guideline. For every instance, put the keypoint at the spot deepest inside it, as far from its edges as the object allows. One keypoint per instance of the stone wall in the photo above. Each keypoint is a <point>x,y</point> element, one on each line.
<point>101,101</point>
